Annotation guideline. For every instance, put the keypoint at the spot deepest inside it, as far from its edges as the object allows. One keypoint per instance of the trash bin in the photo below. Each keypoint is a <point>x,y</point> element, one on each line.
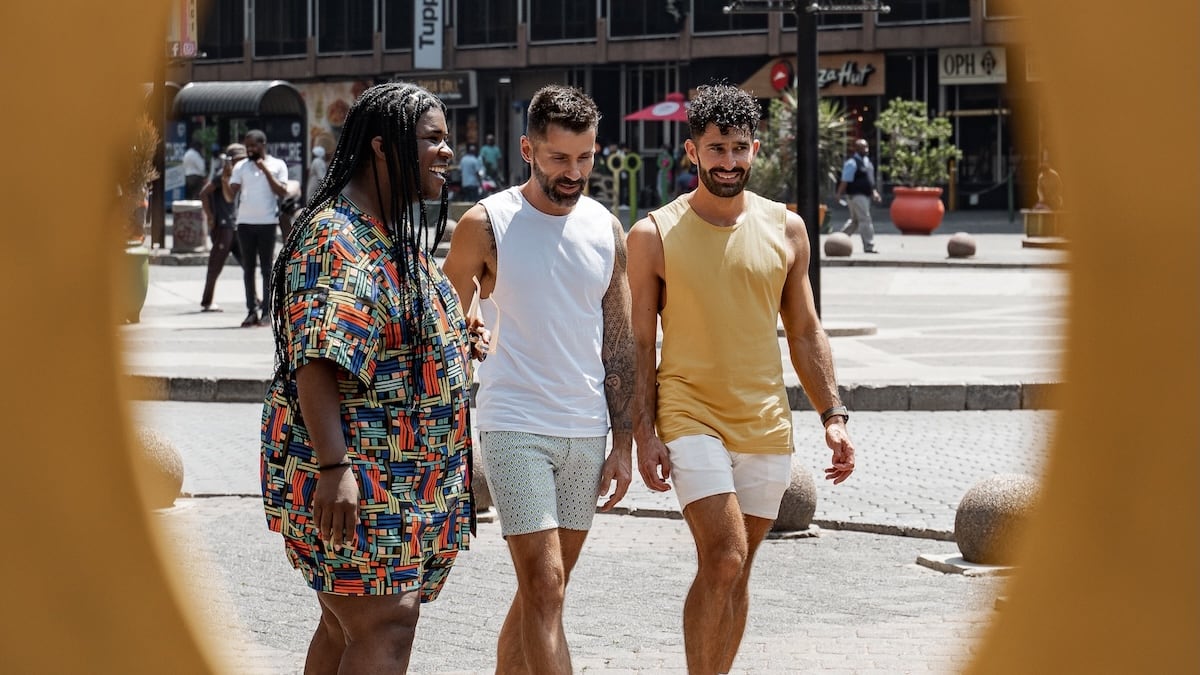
<point>189,234</point>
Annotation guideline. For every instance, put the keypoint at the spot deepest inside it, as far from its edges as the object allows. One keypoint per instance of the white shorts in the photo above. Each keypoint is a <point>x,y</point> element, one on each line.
<point>542,482</point>
<point>702,467</point>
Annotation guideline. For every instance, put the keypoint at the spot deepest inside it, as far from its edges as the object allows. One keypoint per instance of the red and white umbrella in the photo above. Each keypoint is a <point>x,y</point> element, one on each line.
<point>674,109</point>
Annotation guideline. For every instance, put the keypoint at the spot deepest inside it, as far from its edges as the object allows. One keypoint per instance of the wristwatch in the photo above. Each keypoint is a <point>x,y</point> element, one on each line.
<point>833,412</point>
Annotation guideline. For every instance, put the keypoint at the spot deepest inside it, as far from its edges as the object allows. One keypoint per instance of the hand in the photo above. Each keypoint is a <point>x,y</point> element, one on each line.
<point>616,468</point>
<point>479,337</point>
<point>654,463</point>
<point>335,506</point>
<point>875,196</point>
<point>843,451</point>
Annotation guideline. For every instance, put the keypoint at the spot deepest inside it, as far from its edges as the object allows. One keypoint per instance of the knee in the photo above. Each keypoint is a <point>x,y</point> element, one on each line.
<point>723,567</point>
<point>543,593</point>
<point>394,626</point>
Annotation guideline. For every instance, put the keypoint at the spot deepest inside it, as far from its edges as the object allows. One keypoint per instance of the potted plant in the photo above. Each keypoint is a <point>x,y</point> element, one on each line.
<point>774,171</point>
<point>138,172</point>
<point>915,156</point>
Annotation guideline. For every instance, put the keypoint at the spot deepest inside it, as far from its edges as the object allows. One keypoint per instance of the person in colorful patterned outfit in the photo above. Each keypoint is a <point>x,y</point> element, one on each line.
<point>721,265</point>
<point>550,262</point>
<point>365,438</point>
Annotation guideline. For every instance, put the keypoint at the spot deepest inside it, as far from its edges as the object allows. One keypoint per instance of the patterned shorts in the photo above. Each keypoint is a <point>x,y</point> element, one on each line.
<point>542,482</point>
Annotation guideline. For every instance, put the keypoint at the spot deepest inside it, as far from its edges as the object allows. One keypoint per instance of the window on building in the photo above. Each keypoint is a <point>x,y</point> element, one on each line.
<point>487,22</point>
<point>221,29</point>
<point>280,28</point>
<point>562,20</point>
<point>345,25</point>
<point>914,11</point>
<point>639,18</point>
<point>708,16</point>
<point>839,20</point>
<point>397,24</point>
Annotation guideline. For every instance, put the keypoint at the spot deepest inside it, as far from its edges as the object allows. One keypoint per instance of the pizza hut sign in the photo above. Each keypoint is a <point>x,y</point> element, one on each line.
<point>850,74</point>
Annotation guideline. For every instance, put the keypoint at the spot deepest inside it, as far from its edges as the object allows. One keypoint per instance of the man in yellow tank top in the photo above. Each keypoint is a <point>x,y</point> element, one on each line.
<point>719,265</point>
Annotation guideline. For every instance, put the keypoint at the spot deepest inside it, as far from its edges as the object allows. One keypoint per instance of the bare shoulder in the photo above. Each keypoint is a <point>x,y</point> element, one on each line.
<point>642,228</point>
<point>474,229</point>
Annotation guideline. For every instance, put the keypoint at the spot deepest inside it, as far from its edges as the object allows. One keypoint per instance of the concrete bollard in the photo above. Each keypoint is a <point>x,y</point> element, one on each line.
<point>838,245</point>
<point>992,516</point>
<point>799,502</point>
<point>961,245</point>
<point>160,468</point>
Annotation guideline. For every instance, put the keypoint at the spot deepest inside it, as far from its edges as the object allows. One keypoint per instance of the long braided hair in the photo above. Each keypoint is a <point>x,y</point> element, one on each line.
<point>390,111</point>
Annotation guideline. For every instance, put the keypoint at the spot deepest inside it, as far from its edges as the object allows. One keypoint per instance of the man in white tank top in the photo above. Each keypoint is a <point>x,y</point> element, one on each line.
<point>550,266</point>
<point>722,262</point>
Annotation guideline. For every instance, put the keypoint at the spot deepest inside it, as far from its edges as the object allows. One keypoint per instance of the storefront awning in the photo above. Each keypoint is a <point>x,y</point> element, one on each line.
<point>239,99</point>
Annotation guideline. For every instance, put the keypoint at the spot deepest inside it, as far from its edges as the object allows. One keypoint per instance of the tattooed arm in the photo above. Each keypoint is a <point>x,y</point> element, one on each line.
<point>617,353</point>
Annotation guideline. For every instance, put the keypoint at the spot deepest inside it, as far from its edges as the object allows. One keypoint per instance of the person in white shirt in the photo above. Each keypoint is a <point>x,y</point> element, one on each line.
<point>316,172</point>
<point>194,172</point>
<point>259,180</point>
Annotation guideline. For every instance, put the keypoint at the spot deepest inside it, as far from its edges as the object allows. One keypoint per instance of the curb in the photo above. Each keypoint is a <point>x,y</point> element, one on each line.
<point>873,397</point>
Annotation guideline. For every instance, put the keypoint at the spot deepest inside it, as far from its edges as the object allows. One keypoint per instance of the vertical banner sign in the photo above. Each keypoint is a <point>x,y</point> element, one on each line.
<point>427,37</point>
<point>181,30</point>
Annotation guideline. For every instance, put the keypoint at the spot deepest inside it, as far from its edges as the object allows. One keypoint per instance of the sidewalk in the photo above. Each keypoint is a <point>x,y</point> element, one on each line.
<point>910,329</point>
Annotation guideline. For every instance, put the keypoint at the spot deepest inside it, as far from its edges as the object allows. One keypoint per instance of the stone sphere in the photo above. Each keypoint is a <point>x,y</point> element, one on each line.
<point>961,245</point>
<point>160,468</point>
<point>838,245</point>
<point>992,516</point>
<point>799,502</point>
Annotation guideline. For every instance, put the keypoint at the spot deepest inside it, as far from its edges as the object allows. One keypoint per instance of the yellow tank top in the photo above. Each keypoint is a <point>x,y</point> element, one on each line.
<point>721,371</point>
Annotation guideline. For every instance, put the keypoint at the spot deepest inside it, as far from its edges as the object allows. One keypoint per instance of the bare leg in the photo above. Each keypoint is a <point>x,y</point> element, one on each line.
<point>328,643</point>
<point>756,531</point>
<point>721,551</point>
<point>532,639</point>
<point>379,630</point>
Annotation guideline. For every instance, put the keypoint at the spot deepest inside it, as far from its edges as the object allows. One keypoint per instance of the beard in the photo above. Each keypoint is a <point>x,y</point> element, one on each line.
<point>723,189</point>
<point>550,188</point>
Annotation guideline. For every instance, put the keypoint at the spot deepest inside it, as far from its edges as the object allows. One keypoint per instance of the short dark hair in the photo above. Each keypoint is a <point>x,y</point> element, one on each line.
<point>568,107</point>
<point>725,106</point>
<point>257,135</point>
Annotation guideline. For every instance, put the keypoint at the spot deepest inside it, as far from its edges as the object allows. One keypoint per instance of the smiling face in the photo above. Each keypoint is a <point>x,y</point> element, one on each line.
<point>561,161</point>
<point>723,159</point>
<point>433,152</point>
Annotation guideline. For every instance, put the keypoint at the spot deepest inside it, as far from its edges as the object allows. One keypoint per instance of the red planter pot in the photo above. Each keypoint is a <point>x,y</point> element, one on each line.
<point>917,210</point>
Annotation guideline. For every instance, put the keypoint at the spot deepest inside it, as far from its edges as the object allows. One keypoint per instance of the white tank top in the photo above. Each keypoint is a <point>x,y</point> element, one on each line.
<point>544,375</point>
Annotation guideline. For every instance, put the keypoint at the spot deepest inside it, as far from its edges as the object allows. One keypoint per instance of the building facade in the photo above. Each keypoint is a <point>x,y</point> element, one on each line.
<point>486,58</point>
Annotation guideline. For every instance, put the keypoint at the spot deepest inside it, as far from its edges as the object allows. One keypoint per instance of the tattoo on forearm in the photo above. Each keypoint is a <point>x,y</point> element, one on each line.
<point>618,351</point>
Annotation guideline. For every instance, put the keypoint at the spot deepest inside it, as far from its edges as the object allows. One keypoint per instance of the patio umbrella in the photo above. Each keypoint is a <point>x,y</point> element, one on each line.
<point>674,109</point>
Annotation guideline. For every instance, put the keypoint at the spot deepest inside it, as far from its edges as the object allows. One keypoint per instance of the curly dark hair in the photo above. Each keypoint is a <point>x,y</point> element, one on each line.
<point>565,106</point>
<point>725,106</point>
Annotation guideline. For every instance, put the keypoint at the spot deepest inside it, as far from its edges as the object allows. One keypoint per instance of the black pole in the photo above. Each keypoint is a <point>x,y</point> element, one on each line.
<point>806,143</point>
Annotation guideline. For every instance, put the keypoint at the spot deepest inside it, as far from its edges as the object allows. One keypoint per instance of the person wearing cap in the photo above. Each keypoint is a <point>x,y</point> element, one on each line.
<point>221,210</point>
<point>316,172</point>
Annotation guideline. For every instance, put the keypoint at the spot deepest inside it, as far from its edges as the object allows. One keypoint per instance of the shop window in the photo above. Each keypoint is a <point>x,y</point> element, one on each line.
<point>221,32</point>
<point>917,11</point>
<point>397,24</point>
<point>487,22</point>
<point>709,17</point>
<point>345,25</point>
<point>551,20</point>
<point>279,28</point>
<point>639,18</point>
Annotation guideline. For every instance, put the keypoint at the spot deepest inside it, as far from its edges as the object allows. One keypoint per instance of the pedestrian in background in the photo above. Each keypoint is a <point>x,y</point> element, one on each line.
<point>713,417</point>
<point>259,182</point>
<point>552,263</point>
<point>491,156</point>
<point>471,170</point>
<point>194,171</point>
<point>221,209</point>
<point>365,438</point>
<point>858,181</point>
<point>316,172</point>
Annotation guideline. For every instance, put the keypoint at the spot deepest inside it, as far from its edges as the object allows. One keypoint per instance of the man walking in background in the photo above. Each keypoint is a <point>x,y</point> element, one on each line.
<point>259,180</point>
<point>858,181</point>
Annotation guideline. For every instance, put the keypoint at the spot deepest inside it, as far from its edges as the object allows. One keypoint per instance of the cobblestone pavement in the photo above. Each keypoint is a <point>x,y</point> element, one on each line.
<point>913,467</point>
<point>843,602</point>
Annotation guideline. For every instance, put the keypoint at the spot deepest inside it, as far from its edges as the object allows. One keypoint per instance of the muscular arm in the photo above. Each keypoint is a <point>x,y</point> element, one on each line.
<point>809,349</point>
<point>472,254</point>
<point>646,274</point>
<point>617,354</point>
